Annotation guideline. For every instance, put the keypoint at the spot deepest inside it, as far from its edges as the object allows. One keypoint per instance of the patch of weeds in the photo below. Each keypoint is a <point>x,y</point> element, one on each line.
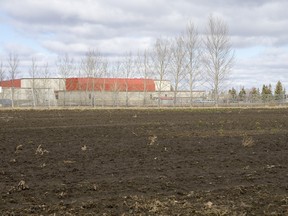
<point>257,124</point>
<point>247,141</point>
<point>221,131</point>
<point>274,130</point>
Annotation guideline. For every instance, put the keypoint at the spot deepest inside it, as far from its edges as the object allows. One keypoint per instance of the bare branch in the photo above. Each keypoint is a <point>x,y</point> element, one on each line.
<point>194,56</point>
<point>13,64</point>
<point>2,72</point>
<point>45,72</point>
<point>161,56</point>
<point>178,69</point>
<point>219,56</point>
<point>91,64</point>
<point>65,65</point>
<point>128,67</point>
<point>33,72</point>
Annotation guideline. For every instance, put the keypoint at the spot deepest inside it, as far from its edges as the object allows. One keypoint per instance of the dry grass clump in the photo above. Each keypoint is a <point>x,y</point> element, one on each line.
<point>18,148</point>
<point>69,162</point>
<point>40,150</point>
<point>248,141</point>
<point>152,139</point>
<point>62,195</point>
<point>20,186</point>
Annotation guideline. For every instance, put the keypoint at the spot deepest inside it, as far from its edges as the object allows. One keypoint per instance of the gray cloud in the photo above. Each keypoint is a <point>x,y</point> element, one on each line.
<point>117,26</point>
<point>145,18</point>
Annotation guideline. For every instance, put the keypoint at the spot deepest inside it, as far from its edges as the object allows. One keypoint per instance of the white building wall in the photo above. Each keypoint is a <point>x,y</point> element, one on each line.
<point>55,84</point>
<point>24,96</point>
<point>165,85</point>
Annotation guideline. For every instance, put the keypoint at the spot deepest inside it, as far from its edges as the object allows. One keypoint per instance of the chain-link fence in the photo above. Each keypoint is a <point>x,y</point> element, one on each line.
<point>45,97</point>
<point>27,97</point>
<point>254,100</point>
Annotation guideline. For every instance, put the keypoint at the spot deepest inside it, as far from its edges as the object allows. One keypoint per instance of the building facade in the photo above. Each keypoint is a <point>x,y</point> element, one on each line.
<point>92,92</point>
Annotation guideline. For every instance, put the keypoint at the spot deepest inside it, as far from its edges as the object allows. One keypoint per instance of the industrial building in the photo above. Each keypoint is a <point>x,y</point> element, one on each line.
<point>91,92</point>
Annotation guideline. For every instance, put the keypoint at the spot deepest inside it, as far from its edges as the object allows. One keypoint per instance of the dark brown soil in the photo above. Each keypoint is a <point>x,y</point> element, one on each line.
<point>144,162</point>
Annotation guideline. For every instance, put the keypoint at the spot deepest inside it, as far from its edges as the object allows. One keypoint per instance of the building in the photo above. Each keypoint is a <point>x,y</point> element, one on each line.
<point>92,92</point>
<point>31,92</point>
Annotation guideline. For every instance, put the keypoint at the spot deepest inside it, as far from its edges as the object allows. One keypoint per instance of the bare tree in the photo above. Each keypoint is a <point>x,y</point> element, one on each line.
<point>160,58</point>
<point>13,64</point>
<point>218,56</point>
<point>91,64</point>
<point>115,87</point>
<point>2,72</point>
<point>128,66</point>
<point>178,65</point>
<point>194,56</point>
<point>46,73</point>
<point>34,72</point>
<point>47,94</point>
<point>66,68</point>
<point>105,74</point>
<point>91,67</point>
<point>144,68</point>
<point>2,77</point>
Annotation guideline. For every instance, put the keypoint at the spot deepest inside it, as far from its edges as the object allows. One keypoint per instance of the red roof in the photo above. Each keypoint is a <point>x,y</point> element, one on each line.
<point>11,83</point>
<point>109,84</point>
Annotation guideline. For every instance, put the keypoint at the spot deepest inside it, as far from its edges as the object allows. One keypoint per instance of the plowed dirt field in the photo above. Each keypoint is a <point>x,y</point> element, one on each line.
<point>144,162</point>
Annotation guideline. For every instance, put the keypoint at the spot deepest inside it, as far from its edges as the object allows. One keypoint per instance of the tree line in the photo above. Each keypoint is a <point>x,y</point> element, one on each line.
<point>189,59</point>
<point>254,94</point>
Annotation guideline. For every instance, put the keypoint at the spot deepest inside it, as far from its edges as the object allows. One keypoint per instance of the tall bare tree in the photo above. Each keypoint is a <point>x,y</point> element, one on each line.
<point>91,64</point>
<point>46,73</point>
<point>13,72</point>
<point>66,68</point>
<point>2,77</point>
<point>128,69</point>
<point>115,87</point>
<point>143,64</point>
<point>160,58</point>
<point>218,56</point>
<point>104,67</point>
<point>48,93</point>
<point>91,67</point>
<point>178,65</point>
<point>194,56</point>
<point>2,72</point>
<point>34,72</point>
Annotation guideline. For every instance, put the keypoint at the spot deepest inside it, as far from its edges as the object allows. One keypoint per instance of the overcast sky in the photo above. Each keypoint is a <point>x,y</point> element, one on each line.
<point>47,28</point>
